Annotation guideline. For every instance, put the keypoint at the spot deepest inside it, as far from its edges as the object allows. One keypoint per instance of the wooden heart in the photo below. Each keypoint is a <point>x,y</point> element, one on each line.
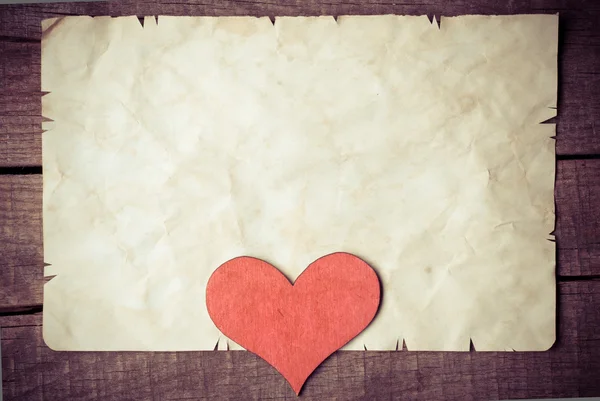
<point>293,327</point>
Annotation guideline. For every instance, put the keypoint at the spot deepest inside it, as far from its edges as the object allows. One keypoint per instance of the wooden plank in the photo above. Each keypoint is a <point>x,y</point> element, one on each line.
<point>579,84</point>
<point>20,68</point>
<point>21,256</point>
<point>577,230</point>
<point>20,103</point>
<point>577,198</point>
<point>20,149</point>
<point>570,369</point>
<point>20,128</point>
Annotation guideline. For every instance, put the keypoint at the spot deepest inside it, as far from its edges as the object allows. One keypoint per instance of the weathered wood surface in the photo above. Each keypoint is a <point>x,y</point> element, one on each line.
<point>20,32</point>
<point>577,199</point>
<point>569,369</point>
<point>572,368</point>
<point>577,230</point>
<point>21,252</point>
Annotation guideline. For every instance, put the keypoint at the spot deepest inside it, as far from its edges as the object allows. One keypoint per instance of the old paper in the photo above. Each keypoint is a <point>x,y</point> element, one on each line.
<point>189,141</point>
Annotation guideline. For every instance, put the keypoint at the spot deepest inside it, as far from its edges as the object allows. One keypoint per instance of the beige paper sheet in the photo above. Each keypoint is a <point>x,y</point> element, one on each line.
<point>181,144</point>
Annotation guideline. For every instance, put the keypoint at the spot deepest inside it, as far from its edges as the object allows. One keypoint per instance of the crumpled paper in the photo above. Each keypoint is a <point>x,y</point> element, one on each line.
<point>189,141</point>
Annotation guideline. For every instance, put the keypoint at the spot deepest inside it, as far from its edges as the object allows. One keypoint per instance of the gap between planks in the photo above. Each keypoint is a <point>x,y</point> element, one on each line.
<point>23,310</point>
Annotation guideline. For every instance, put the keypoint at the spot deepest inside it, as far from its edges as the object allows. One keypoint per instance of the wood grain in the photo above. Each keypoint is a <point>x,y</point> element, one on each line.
<point>20,103</point>
<point>20,129</point>
<point>569,369</point>
<point>21,255</point>
<point>577,199</point>
<point>577,230</point>
<point>20,32</point>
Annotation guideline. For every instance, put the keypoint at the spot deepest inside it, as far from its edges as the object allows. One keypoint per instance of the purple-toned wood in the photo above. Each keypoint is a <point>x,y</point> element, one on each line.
<point>21,280</point>
<point>571,368</point>
<point>20,32</point>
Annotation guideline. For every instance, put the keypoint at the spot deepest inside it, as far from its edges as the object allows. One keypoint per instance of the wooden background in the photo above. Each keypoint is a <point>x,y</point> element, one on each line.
<point>571,368</point>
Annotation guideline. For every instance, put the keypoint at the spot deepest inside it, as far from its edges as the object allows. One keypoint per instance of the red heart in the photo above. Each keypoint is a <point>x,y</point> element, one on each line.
<point>293,327</point>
